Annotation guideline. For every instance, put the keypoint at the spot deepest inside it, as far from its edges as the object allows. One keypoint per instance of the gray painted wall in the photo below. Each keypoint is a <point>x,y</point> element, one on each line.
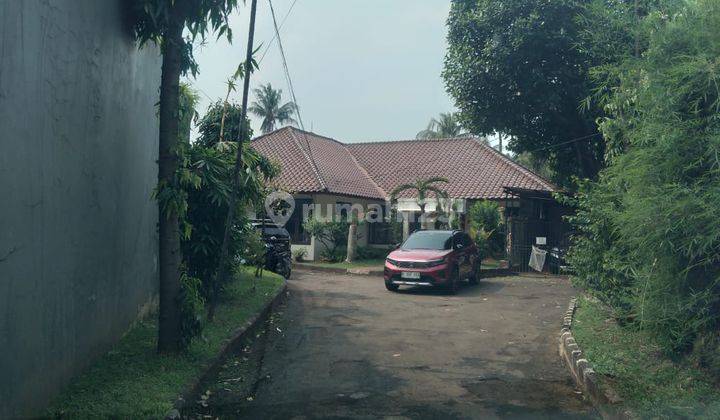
<point>78,145</point>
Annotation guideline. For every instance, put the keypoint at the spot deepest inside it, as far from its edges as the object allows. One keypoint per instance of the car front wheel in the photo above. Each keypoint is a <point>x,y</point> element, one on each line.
<point>391,287</point>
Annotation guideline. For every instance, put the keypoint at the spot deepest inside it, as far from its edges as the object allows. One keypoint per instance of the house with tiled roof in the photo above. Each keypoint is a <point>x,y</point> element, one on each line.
<point>322,172</point>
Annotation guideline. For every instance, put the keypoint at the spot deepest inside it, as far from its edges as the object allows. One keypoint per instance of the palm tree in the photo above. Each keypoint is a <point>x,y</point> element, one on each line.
<point>267,106</point>
<point>423,187</point>
<point>446,125</point>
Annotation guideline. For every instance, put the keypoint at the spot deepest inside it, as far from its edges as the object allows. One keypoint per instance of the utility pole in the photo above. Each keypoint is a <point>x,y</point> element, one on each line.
<point>500,137</point>
<point>223,268</point>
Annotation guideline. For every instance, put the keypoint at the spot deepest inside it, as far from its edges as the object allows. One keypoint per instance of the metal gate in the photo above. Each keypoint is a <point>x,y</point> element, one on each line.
<point>522,235</point>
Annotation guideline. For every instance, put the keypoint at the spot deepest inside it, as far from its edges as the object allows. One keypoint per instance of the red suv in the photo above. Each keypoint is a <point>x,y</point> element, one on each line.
<point>433,258</point>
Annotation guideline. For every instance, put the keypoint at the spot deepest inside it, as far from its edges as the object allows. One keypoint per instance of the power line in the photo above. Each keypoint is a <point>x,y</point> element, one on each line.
<point>276,34</point>
<point>285,66</point>
<point>292,90</point>
<point>563,143</point>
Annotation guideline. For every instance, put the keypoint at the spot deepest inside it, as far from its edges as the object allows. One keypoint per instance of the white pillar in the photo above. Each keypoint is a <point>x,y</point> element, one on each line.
<point>406,225</point>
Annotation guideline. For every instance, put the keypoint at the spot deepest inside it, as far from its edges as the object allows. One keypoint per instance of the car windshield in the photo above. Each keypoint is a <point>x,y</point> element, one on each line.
<point>429,240</point>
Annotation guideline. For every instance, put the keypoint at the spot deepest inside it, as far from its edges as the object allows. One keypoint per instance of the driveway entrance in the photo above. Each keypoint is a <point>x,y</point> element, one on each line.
<point>344,347</point>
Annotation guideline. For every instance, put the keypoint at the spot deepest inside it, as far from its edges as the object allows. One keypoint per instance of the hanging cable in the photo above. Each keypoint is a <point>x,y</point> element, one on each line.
<point>285,66</point>
<point>267,48</point>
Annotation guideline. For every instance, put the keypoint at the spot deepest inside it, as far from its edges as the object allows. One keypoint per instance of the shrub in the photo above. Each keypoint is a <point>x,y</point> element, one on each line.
<point>252,251</point>
<point>299,254</point>
<point>395,227</point>
<point>372,253</point>
<point>333,255</point>
<point>209,166</point>
<point>706,353</point>
<point>486,227</point>
<point>192,308</point>
<point>650,230</point>
<point>599,260</point>
<point>331,234</point>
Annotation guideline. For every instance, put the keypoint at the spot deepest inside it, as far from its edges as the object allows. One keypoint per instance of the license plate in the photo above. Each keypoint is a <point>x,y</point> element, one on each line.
<point>409,275</point>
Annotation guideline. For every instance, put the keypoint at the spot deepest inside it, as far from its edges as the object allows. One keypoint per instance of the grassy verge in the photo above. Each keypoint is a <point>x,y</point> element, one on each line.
<point>132,381</point>
<point>490,264</point>
<point>380,262</point>
<point>630,360</point>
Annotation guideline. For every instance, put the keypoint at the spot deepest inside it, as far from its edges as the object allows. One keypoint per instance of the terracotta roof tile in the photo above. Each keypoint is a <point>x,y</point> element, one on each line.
<point>297,174</point>
<point>313,163</point>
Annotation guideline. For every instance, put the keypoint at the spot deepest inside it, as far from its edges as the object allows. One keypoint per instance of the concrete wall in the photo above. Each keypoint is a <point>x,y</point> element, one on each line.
<point>78,145</point>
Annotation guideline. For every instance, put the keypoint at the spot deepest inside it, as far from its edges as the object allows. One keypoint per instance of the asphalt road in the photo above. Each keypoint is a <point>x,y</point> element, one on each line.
<point>344,347</point>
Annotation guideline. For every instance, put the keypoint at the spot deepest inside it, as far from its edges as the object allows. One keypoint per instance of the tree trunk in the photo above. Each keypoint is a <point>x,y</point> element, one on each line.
<point>586,159</point>
<point>581,160</point>
<point>170,253</point>
<point>223,263</point>
<point>352,241</point>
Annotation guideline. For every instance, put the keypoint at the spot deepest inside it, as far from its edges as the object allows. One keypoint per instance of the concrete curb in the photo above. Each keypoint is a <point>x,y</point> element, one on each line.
<point>604,398</point>
<point>338,270</point>
<point>233,343</point>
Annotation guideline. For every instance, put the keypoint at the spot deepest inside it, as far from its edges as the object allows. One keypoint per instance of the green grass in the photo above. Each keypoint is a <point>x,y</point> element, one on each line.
<point>631,362</point>
<point>489,264</point>
<point>379,263</point>
<point>133,381</point>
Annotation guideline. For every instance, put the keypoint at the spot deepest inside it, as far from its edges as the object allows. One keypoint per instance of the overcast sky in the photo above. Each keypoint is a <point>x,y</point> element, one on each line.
<point>362,69</point>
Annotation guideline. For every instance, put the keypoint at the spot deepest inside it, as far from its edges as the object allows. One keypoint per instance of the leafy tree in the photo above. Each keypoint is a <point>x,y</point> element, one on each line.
<point>513,66</point>
<point>615,34</point>
<point>212,162</point>
<point>267,106</point>
<point>188,101</point>
<point>445,126</point>
<point>422,187</point>
<point>163,22</point>
<point>649,240</point>
<point>212,124</point>
<point>538,165</point>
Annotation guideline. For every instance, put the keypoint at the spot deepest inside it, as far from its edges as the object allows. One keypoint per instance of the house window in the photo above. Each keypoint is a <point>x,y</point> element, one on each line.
<point>542,210</point>
<point>512,209</point>
<point>294,225</point>
<point>343,210</point>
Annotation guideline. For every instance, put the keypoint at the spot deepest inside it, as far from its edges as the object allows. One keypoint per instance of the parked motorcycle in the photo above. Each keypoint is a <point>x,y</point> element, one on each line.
<point>556,260</point>
<point>278,257</point>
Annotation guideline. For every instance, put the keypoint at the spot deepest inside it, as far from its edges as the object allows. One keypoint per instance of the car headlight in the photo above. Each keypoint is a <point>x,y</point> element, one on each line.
<point>435,263</point>
<point>391,261</point>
